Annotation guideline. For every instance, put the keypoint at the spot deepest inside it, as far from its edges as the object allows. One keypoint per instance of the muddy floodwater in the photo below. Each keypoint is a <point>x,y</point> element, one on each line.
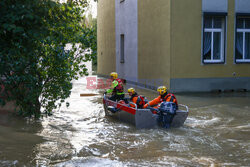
<point>216,133</point>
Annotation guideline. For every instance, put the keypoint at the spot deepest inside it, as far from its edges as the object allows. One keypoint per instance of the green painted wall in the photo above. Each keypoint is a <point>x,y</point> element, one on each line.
<point>106,57</point>
<point>186,40</point>
<point>154,40</point>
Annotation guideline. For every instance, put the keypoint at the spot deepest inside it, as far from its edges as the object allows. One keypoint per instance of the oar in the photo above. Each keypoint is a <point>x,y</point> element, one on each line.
<point>92,94</point>
<point>88,94</point>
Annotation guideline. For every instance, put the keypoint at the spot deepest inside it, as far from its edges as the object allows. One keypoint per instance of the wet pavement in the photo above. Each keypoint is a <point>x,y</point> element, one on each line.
<point>216,133</point>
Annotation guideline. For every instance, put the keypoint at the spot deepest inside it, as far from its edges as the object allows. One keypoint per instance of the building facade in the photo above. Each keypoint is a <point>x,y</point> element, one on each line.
<point>187,45</point>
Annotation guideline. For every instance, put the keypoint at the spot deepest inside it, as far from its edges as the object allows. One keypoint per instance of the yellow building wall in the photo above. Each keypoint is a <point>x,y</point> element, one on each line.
<point>154,40</point>
<point>106,58</point>
<point>186,43</point>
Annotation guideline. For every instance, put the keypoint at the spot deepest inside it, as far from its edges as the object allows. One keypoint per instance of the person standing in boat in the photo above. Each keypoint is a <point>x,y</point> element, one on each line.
<point>135,98</point>
<point>116,88</point>
<point>163,96</point>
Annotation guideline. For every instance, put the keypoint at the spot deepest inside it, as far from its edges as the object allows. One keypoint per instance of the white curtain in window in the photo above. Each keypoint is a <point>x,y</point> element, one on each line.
<point>207,42</point>
<point>239,43</point>
<point>247,56</point>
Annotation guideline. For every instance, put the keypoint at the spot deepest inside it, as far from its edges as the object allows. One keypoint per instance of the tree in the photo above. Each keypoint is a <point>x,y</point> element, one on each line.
<point>35,68</point>
<point>92,25</point>
<point>94,41</point>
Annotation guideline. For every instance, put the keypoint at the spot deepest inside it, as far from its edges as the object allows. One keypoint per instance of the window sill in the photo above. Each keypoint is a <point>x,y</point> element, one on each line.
<point>213,62</point>
<point>243,61</point>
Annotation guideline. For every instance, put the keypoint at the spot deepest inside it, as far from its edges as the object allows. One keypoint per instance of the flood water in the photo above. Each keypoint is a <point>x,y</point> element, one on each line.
<point>216,133</point>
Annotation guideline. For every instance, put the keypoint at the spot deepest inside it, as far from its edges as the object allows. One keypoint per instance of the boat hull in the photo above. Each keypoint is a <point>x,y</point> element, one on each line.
<point>141,118</point>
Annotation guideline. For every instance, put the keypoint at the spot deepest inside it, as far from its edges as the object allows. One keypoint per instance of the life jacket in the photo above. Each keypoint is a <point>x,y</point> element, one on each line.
<point>138,100</point>
<point>119,88</point>
<point>169,97</point>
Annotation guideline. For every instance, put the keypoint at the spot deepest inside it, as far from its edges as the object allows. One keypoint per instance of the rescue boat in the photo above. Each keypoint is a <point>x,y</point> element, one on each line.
<point>142,118</point>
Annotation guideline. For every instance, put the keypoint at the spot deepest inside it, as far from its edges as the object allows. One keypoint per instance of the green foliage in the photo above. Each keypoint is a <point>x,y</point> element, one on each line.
<point>35,69</point>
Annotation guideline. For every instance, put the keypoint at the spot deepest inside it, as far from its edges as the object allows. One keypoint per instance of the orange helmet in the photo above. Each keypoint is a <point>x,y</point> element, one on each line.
<point>114,75</point>
<point>161,90</point>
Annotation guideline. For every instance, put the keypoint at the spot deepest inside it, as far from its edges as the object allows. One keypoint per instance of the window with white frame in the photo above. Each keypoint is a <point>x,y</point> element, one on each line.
<point>214,39</point>
<point>242,43</point>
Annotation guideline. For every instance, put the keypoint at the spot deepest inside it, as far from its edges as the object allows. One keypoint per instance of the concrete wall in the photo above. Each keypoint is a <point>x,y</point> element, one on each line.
<point>154,42</point>
<point>242,6</point>
<point>106,57</point>
<point>186,46</point>
<point>126,23</point>
<point>214,5</point>
<point>210,84</point>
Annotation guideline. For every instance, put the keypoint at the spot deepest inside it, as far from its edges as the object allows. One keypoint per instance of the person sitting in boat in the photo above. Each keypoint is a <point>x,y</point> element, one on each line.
<point>116,88</point>
<point>163,96</point>
<point>135,98</point>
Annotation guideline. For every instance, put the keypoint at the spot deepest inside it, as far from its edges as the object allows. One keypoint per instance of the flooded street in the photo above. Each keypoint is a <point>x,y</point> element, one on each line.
<point>216,133</point>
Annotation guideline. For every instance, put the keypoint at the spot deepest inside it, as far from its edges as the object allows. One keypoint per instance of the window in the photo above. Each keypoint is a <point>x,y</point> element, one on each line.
<point>213,39</point>
<point>242,44</point>
<point>122,49</point>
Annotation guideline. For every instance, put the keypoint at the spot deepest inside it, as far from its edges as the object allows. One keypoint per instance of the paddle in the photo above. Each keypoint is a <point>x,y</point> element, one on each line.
<point>88,94</point>
<point>92,94</point>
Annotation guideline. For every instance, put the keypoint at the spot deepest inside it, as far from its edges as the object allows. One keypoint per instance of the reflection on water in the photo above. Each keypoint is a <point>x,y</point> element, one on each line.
<point>18,139</point>
<point>216,133</point>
